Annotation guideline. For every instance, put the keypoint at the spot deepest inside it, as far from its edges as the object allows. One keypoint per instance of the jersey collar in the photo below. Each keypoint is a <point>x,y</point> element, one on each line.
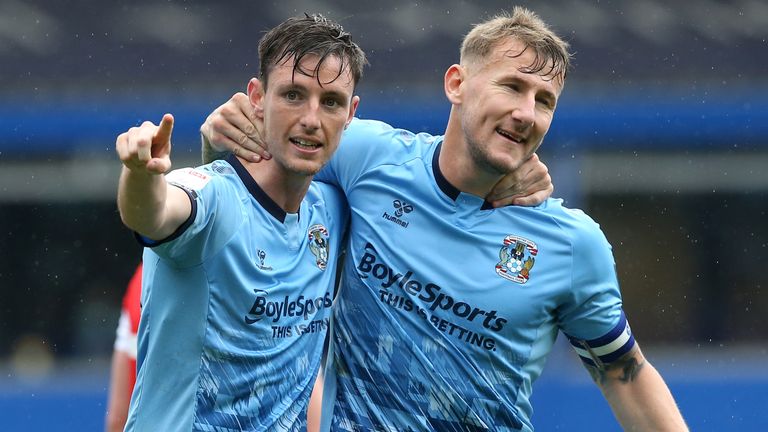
<point>448,189</point>
<point>257,192</point>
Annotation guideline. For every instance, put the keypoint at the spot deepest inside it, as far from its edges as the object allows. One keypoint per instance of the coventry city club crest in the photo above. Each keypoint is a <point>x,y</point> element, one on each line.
<point>516,259</point>
<point>318,244</point>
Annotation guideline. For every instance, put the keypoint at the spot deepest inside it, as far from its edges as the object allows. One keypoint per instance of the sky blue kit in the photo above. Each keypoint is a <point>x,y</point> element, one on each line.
<point>235,307</point>
<point>448,307</point>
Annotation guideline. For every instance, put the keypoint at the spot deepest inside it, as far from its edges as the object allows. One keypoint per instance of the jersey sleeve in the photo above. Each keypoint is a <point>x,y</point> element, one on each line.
<point>593,319</point>
<point>364,145</point>
<point>128,326</point>
<point>132,299</point>
<point>215,217</point>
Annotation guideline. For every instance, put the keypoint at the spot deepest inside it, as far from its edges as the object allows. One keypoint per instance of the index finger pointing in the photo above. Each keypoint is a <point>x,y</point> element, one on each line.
<point>163,133</point>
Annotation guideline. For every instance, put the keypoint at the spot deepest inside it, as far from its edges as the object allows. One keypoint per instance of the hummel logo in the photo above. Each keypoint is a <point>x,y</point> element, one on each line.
<point>401,207</point>
<point>262,256</point>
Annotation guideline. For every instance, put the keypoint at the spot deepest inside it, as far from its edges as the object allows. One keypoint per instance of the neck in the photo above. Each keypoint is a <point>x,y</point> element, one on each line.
<point>458,166</point>
<point>285,188</point>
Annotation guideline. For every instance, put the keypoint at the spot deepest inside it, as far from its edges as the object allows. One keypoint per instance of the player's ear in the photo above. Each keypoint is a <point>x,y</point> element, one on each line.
<point>256,96</point>
<point>454,77</point>
<point>352,109</point>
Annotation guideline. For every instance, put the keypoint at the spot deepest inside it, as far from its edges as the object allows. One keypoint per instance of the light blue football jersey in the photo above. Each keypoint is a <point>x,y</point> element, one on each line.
<point>448,308</point>
<point>235,307</point>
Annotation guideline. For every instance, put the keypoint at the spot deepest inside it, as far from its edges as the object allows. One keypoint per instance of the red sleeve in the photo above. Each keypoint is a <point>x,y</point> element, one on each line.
<point>132,304</point>
<point>132,300</point>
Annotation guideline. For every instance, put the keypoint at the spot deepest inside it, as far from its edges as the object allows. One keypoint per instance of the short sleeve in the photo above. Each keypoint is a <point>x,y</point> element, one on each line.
<point>132,299</point>
<point>217,213</point>
<point>128,325</point>
<point>592,318</point>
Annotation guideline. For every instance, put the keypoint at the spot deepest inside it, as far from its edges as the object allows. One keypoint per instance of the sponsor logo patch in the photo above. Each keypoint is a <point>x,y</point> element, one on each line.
<point>188,178</point>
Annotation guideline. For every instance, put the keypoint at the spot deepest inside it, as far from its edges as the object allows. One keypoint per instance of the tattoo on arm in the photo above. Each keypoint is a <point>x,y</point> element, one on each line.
<point>209,154</point>
<point>624,370</point>
<point>630,367</point>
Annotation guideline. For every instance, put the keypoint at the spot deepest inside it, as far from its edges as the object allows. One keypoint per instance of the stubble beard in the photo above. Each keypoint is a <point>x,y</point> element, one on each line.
<point>296,166</point>
<point>480,153</point>
<point>485,162</point>
<point>301,169</point>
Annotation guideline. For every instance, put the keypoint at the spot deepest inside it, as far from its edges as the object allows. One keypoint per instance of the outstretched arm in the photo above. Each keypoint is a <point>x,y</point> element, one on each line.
<point>637,394</point>
<point>147,205</point>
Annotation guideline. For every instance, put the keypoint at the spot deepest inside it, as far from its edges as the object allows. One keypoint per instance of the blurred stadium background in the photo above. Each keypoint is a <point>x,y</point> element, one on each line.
<point>661,135</point>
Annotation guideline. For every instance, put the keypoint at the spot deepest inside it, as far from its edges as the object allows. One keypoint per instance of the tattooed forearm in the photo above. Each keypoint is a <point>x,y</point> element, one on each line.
<point>630,368</point>
<point>624,370</point>
<point>209,154</point>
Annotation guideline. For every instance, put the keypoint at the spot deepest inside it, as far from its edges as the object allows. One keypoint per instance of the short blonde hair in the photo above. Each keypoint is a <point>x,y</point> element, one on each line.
<point>552,56</point>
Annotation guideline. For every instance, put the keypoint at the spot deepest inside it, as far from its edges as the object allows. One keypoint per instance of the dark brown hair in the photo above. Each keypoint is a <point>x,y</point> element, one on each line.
<point>317,35</point>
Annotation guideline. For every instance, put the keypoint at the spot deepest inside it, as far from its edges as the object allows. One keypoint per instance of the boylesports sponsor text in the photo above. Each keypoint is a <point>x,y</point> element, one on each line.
<point>432,301</point>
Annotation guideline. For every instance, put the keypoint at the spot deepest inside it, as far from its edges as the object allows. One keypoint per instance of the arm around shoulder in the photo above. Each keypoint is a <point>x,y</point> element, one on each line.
<point>234,127</point>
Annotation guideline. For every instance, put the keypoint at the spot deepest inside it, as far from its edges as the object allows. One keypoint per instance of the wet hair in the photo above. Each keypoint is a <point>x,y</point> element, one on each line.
<point>317,35</point>
<point>552,57</point>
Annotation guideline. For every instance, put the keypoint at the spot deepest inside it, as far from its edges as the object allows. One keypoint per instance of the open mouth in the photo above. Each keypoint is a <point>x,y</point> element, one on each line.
<point>305,144</point>
<point>510,136</point>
